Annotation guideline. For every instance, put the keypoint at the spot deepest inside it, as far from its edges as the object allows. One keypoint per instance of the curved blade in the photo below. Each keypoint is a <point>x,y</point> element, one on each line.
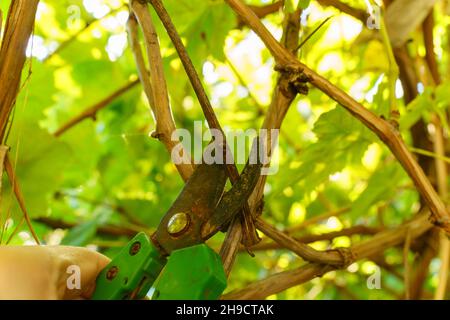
<point>197,201</point>
<point>233,200</point>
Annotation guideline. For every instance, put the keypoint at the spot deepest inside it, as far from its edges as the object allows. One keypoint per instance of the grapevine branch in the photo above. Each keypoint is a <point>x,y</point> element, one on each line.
<point>310,238</point>
<point>407,265</point>
<point>332,257</point>
<point>430,57</point>
<point>92,111</point>
<point>385,130</point>
<point>318,218</point>
<point>3,152</point>
<point>345,8</point>
<point>18,193</point>
<point>422,265</point>
<point>154,84</point>
<point>277,111</point>
<point>131,219</point>
<point>439,148</point>
<point>18,30</point>
<point>281,99</point>
<point>419,133</point>
<point>133,38</point>
<point>107,230</point>
<point>281,281</point>
<point>263,11</point>
<point>382,263</point>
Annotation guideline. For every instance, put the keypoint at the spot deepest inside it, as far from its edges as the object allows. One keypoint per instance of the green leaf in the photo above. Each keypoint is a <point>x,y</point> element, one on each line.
<point>207,36</point>
<point>41,161</point>
<point>82,139</point>
<point>185,12</point>
<point>420,106</point>
<point>81,234</point>
<point>380,100</point>
<point>303,4</point>
<point>381,186</point>
<point>146,211</point>
<point>442,98</point>
<point>34,98</point>
<point>443,94</point>
<point>341,141</point>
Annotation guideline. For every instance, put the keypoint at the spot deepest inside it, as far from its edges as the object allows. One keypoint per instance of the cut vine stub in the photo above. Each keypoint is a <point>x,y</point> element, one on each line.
<point>293,80</point>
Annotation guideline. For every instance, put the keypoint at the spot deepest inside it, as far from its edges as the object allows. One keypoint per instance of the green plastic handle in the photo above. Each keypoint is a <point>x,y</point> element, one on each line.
<point>192,273</point>
<point>131,273</point>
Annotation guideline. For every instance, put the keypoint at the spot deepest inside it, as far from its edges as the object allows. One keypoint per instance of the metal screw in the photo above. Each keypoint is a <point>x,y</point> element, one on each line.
<point>178,223</point>
<point>135,247</point>
<point>112,273</point>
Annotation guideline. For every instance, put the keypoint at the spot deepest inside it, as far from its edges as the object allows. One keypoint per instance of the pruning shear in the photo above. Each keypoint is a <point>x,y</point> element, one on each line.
<point>175,262</point>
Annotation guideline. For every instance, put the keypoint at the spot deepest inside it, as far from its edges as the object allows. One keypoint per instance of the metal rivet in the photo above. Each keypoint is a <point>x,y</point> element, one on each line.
<point>178,223</point>
<point>135,247</point>
<point>112,273</point>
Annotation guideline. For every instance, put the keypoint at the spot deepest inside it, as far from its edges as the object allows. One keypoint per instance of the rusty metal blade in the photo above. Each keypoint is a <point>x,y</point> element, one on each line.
<point>197,200</point>
<point>233,200</point>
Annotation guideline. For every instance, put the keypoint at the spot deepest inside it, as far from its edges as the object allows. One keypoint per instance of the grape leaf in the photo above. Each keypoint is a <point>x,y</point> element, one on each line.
<point>341,141</point>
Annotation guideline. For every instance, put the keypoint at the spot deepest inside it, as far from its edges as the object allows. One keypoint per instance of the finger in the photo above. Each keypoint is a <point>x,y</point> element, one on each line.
<point>78,269</point>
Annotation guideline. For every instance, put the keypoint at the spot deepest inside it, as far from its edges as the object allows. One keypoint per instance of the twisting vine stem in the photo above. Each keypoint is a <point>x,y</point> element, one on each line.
<point>381,241</point>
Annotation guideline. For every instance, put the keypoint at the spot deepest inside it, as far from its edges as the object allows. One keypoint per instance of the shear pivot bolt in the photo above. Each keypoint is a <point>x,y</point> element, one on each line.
<point>135,247</point>
<point>112,273</point>
<point>178,223</point>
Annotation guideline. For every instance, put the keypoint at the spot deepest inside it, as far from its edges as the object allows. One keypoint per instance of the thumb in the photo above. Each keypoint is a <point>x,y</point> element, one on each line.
<point>78,271</point>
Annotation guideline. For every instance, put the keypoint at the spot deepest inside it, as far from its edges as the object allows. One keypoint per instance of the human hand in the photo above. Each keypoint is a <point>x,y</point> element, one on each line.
<point>41,272</point>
